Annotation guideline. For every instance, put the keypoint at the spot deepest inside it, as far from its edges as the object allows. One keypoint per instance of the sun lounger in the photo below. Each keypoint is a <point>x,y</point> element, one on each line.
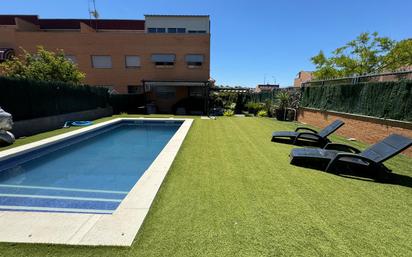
<point>332,155</point>
<point>308,136</point>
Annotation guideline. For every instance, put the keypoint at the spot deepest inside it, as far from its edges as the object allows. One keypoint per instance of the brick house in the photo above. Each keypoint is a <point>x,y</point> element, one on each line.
<point>166,57</point>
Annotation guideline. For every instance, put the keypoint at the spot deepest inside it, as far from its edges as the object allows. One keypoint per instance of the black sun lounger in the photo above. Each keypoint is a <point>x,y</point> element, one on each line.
<point>333,156</point>
<point>308,136</point>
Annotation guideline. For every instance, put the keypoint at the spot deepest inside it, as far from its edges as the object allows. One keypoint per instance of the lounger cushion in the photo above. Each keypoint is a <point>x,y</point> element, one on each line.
<point>331,128</point>
<point>313,153</point>
<point>387,148</point>
<point>293,135</point>
<point>316,157</point>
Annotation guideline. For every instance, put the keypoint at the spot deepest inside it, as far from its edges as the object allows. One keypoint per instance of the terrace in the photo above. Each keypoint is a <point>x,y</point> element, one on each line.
<point>231,191</point>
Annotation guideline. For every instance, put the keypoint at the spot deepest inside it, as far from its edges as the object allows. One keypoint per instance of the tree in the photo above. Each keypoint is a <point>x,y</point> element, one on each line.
<point>400,56</point>
<point>368,53</point>
<point>43,65</point>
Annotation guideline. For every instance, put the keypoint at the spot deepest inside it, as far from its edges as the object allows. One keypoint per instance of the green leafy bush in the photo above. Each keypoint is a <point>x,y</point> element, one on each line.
<point>228,113</point>
<point>284,99</point>
<point>44,66</point>
<point>390,100</point>
<point>262,113</point>
<point>254,108</point>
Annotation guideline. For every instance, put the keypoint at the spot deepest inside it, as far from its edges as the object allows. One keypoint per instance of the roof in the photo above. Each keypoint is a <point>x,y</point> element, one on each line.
<point>9,19</point>
<point>74,23</point>
<point>99,24</point>
<point>267,86</point>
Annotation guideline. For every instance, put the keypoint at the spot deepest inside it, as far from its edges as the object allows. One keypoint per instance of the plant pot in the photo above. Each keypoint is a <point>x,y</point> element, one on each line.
<point>284,115</point>
<point>280,114</point>
<point>290,115</point>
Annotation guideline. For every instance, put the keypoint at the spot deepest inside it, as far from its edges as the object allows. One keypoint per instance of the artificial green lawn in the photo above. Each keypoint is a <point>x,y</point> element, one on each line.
<point>232,192</point>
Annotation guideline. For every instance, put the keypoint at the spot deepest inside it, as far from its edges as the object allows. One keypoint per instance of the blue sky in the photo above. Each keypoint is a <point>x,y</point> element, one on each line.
<point>255,39</point>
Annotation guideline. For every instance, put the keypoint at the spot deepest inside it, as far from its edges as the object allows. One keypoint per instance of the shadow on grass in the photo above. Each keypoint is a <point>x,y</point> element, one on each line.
<point>299,142</point>
<point>355,172</point>
<point>388,178</point>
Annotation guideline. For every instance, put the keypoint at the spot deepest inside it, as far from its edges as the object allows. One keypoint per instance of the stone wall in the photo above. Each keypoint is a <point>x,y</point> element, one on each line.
<point>363,128</point>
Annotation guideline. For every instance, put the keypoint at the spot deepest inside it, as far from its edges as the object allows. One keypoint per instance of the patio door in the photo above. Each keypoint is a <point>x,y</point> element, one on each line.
<point>165,98</point>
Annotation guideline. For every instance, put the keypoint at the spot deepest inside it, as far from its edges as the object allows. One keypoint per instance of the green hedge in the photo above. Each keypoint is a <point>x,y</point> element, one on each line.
<point>28,99</point>
<point>390,100</point>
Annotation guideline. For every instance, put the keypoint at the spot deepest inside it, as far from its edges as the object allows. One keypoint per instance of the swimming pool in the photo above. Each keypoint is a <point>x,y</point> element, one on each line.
<point>88,173</point>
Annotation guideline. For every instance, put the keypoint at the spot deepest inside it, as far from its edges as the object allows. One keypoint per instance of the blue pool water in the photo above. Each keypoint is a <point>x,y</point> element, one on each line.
<point>91,173</point>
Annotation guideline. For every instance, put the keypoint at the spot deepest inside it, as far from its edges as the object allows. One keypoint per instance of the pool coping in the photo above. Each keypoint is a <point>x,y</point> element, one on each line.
<point>117,229</point>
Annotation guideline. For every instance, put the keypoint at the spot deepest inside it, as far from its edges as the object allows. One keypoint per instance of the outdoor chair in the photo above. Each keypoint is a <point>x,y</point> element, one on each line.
<point>307,136</point>
<point>335,158</point>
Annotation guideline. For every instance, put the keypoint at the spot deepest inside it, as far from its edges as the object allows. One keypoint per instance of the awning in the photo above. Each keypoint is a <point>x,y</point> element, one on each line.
<point>177,83</point>
<point>163,57</point>
<point>194,58</point>
<point>6,53</point>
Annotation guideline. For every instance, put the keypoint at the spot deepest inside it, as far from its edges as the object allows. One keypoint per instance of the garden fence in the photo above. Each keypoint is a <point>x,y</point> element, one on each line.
<point>29,99</point>
<point>368,78</point>
<point>389,100</point>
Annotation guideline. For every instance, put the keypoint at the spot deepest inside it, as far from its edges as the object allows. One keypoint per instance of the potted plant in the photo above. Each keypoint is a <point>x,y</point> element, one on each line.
<point>284,100</point>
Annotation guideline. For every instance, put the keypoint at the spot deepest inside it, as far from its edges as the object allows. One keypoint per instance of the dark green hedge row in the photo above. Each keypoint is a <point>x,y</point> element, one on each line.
<point>390,100</point>
<point>27,99</point>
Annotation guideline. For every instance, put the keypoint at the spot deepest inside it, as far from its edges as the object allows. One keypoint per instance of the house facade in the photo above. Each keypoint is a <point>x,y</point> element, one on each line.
<point>266,88</point>
<point>167,58</point>
<point>302,77</point>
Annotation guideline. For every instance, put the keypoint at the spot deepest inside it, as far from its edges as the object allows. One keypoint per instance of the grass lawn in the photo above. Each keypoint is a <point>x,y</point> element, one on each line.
<point>232,192</point>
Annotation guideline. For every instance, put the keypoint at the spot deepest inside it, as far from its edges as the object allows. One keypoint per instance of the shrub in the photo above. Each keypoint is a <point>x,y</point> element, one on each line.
<point>284,99</point>
<point>262,113</point>
<point>44,66</point>
<point>229,113</point>
<point>255,107</point>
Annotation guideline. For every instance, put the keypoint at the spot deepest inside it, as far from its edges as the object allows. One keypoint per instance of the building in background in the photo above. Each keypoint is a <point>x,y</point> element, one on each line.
<point>166,57</point>
<point>302,77</point>
<point>266,88</point>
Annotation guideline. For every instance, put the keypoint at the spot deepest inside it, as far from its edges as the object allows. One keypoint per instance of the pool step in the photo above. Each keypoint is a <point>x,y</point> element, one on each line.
<point>59,199</point>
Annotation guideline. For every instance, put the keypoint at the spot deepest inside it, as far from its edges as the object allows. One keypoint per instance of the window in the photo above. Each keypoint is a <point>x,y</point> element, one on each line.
<point>101,61</point>
<point>165,92</point>
<point>164,59</point>
<point>156,30</point>
<point>135,89</point>
<point>132,61</point>
<point>181,30</point>
<point>176,30</point>
<point>194,60</point>
<point>71,58</point>
<point>196,91</point>
<point>194,64</point>
<point>165,63</point>
<point>197,31</point>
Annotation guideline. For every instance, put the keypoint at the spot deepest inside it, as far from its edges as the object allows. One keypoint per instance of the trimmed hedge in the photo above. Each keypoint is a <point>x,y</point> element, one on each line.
<point>390,100</point>
<point>29,99</point>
